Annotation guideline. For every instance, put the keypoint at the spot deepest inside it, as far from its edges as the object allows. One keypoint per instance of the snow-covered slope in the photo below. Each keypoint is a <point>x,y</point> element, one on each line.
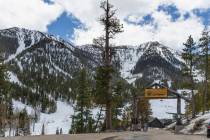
<point>197,125</point>
<point>150,60</point>
<point>158,62</point>
<point>41,61</point>
<point>61,119</point>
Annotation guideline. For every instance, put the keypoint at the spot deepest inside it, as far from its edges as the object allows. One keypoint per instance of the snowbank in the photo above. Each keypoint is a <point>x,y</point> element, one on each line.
<point>197,125</point>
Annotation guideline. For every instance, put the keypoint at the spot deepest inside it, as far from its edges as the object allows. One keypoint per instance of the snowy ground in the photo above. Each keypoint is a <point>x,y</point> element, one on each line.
<point>60,119</point>
<point>197,125</point>
<point>161,107</point>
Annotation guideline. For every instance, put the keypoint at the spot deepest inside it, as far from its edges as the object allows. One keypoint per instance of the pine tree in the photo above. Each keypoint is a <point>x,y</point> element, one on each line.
<point>112,26</point>
<point>2,118</point>
<point>83,94</point>
<point>144,110</point>
<point>10,115</point>
<point>199,97</point>
<point>72,130</point>
<point>189,57</point>
<point>101,85</point>
<point>204,46</point>
<point>134,99</point>
<point>3,94</point>
<point>24,123</point>
<point>119,100</point>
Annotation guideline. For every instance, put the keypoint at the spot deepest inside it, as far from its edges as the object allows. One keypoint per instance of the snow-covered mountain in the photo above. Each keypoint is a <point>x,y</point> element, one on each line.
<point>41,63</point>
<point>42,66</point>
<point>150,60</point>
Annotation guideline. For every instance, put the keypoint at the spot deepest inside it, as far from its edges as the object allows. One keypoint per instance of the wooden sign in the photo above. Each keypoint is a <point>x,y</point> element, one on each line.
<point>156,93</point>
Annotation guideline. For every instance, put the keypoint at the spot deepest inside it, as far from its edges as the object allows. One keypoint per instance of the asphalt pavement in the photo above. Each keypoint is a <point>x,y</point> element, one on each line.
<point>157,134</point>
<point>154,134</point>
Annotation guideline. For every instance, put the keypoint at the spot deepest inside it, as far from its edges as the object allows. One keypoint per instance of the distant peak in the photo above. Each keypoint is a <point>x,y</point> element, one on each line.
<point>19,29</point>
<point>15,28</point>
<point>153,43</point>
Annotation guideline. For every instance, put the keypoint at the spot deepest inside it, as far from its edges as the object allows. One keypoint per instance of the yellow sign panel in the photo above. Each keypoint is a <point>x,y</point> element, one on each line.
<point>156,93</point>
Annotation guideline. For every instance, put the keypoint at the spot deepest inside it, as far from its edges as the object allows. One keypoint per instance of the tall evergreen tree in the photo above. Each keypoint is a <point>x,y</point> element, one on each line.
<point>112,27</point>
<point>189,57</point>
<point>2,119</point>
<point>119,101</point>
<point>10,115</point>
<point>83,98</point>
<point>3,94</point>
<point>24,123</point>
<point>134,98</point>
<point>204,46</point>
<point>144,110</point>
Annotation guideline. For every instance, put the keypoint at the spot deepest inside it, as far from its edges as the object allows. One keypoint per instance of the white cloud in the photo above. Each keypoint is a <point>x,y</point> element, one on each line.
<point>32,14</point>
<point>86,36</point>
<point>175,33</point>
<point>86,11</point>
<point>170,33</point>
<point>35,14</point>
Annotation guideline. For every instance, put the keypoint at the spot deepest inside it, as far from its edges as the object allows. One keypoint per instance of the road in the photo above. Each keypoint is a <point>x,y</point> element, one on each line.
<point>151,135</point>
<point>159,135</point>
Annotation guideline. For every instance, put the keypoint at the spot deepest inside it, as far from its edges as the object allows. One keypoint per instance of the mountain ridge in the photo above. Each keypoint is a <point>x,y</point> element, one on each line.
<point>129,55</point>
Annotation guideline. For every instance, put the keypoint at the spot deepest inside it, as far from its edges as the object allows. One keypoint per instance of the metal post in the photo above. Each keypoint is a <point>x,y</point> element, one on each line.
<point>178,111</point>
<point>135,114</point>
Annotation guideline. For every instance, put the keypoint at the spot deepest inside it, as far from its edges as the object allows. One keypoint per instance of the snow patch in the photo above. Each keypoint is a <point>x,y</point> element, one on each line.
<point>161,108</point>
<point>60,119</point>
<point>21,45</point>
<point>13,78</point>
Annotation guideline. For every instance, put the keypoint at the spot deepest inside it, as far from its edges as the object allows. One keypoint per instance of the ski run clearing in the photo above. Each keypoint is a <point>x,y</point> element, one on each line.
<point>60,119</point>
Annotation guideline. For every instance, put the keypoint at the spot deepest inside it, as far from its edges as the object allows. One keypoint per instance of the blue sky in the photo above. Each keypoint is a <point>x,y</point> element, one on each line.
<point>204,14</point>
<point>168,21</point>
<point>170,10</point>
<point>64,26</point>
